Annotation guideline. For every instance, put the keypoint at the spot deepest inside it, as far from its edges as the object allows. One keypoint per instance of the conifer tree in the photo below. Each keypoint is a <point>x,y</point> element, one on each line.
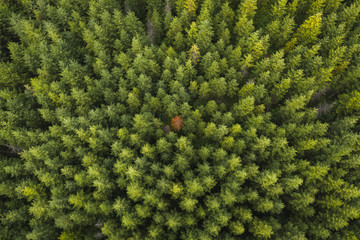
<point>179,119</point>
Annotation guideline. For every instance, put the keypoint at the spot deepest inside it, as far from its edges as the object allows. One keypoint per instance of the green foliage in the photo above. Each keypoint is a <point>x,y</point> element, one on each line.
<point>179,119</point>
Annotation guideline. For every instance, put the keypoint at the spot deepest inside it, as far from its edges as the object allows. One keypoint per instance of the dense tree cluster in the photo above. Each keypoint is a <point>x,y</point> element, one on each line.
<point>180,119</point>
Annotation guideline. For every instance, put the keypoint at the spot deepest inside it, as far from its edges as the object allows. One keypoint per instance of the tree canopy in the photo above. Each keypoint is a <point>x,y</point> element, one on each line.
<point>180,119</point>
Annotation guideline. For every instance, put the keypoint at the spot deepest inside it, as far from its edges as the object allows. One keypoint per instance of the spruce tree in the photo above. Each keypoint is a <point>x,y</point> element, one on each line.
<point>179,119</point>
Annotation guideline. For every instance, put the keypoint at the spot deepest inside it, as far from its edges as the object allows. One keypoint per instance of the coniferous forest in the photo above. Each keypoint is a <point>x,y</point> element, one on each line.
<point>179,119</point>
